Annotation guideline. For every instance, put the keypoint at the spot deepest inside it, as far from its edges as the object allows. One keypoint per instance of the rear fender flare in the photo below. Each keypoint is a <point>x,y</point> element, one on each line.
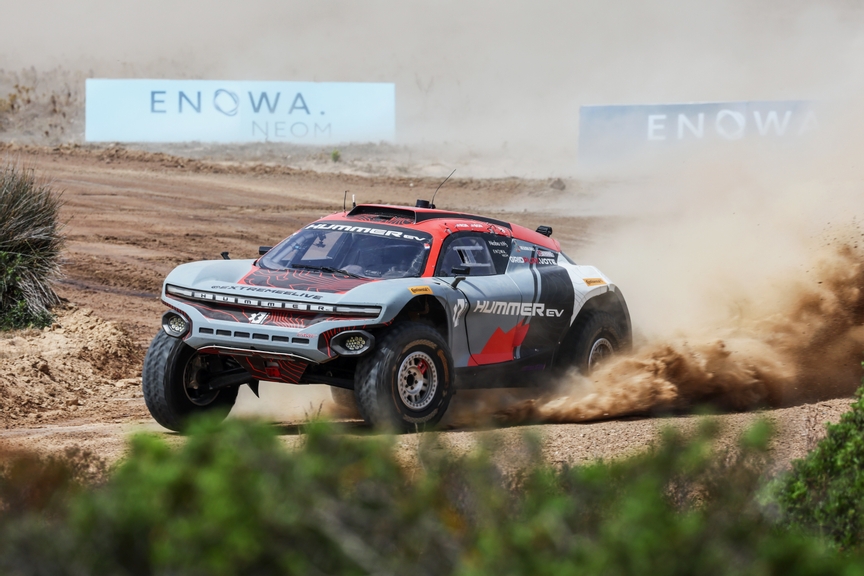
<point>612,302</point>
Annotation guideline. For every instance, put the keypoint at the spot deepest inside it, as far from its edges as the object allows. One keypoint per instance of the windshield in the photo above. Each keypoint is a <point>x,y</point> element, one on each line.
<point>366,251</point>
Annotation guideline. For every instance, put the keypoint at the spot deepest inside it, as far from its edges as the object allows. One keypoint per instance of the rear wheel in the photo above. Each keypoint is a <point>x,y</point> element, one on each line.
<point>407,382</point>
<point>592,341</point>
<point>174,383</point>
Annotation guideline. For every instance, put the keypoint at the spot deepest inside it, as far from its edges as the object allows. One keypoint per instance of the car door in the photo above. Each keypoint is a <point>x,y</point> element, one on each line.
<point>492,321</point>
<point>547,295</point>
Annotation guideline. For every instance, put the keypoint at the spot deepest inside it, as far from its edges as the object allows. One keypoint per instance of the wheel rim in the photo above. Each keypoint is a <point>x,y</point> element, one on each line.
<point>417,380</point>
<point>195,390</point>
<point>601,350</point>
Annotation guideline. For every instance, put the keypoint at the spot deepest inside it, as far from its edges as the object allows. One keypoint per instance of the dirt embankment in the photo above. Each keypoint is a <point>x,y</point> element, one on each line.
<point>80,367</point>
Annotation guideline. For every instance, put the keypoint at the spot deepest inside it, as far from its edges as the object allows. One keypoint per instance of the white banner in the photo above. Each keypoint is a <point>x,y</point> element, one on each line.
<point>215,111</point>
<point>615,133</point>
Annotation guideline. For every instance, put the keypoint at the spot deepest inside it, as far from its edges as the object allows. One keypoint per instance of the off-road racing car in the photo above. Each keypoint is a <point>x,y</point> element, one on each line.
<point>394,307</point>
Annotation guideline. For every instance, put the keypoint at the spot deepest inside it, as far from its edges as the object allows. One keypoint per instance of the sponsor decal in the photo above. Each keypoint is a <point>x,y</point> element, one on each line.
<point>531,260</point>
<point>459,310</point>
<point>258,317</point>
<point>305,335</point>
<point>594,281</point>
<point>157,110</point>
<point>367,230</point>
<point>499,243</point>
<point>420,290</point>
<point>267,291</point>
<point>516,309</point>
<point>546,254</point>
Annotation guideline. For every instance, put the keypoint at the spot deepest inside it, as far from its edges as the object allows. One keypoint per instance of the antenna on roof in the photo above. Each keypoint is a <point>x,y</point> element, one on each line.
<point>344,199</point>
<point>432,202</point>
<point>353,201</point>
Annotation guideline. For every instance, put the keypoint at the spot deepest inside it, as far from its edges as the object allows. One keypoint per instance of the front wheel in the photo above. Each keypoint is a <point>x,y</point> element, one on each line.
<point>407,382</point>
<point>173,382</point>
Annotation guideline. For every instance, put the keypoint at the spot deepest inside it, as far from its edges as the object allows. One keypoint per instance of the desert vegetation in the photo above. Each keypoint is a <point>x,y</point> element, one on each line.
<point>232,499</point>
<point>30,247</point>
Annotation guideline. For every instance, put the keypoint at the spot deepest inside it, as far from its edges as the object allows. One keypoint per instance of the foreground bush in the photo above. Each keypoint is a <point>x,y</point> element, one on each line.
<point>30,244</point>
<point>824,492</point>
<point>233,500</point>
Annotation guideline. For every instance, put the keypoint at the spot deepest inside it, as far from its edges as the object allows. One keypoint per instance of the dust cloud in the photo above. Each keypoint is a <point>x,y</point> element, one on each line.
<point>282,403</point>
<point>491,87</point>
<point>808,352</point>
<point>744,279</point>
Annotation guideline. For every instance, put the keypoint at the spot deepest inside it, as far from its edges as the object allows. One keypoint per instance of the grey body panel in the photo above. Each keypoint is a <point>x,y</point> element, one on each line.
<point>480,325</point>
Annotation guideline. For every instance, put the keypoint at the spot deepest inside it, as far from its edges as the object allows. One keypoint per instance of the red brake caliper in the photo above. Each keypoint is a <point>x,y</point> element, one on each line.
<point>422,367</point>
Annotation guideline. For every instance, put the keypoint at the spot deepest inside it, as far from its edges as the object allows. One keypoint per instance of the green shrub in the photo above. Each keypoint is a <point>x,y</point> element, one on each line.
<point>30,245</point>
<point>824,492</point>
<point>683,508</point>
<point>232,500</point>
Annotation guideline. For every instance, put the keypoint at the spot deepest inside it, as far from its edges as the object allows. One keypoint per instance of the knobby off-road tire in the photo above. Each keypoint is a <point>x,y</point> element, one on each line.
<point>170,368</point>
<point>596,338</point>
<point>407,382</point>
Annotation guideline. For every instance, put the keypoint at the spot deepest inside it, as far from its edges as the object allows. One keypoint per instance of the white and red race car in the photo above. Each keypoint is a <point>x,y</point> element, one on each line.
<point>394,307</point>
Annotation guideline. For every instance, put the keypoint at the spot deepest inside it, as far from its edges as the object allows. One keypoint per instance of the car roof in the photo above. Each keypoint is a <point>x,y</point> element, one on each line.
<point>441,223</point>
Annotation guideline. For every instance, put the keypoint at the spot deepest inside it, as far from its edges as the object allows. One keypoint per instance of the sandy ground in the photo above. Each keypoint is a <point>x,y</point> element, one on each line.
<point>132,216</point>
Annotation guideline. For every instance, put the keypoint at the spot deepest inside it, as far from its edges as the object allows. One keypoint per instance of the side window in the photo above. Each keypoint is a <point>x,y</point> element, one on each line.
<point>468,251</point>
<point>500,248</point>
<point>525,254</point>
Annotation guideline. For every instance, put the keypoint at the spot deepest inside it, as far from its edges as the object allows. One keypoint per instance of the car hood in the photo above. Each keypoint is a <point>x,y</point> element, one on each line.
<point>302,280</point>
<point>244,276</point>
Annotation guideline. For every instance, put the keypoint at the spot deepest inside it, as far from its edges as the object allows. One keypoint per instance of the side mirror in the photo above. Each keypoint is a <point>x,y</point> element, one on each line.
<point>262,250</point>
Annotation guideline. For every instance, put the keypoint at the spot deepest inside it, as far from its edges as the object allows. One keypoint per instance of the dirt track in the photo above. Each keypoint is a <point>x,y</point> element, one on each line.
<point>133,216</point>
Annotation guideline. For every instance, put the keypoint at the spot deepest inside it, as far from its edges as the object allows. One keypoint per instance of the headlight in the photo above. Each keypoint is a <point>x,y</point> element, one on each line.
<point>352,342</point>
<point>174,324</point>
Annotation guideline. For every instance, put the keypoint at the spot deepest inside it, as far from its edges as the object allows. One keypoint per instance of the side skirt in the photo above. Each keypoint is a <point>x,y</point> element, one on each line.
<point>522,373</point>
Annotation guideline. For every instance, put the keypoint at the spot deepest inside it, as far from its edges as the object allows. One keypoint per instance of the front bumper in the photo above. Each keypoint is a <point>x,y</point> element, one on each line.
<point>300,335</point>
